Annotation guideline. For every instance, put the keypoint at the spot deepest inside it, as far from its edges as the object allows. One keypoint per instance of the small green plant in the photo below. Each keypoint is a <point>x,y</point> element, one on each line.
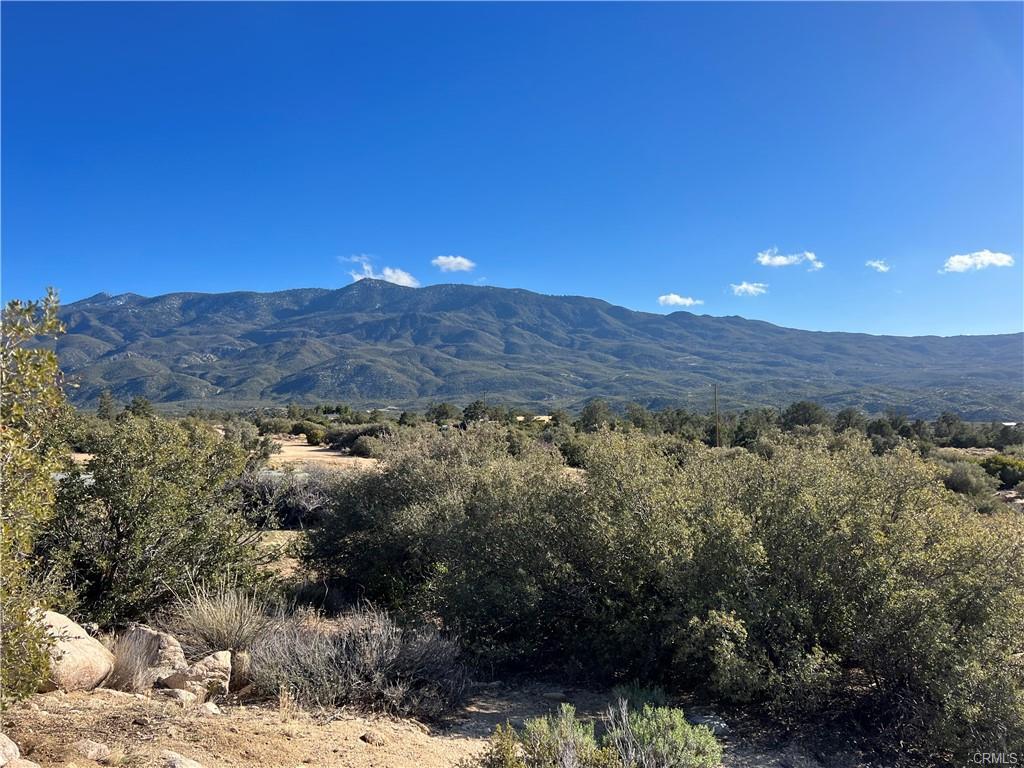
<point>659,737</point>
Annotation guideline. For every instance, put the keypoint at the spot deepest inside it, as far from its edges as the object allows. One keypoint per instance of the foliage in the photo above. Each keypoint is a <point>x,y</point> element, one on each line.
<point>775,577</point>
<point>1009,469</point>
<point>652,737</point>
<point>969,479</point>
<point>361,659</point>
<point>659,737</point>
<point>30,399</point>
<point>157,505</point>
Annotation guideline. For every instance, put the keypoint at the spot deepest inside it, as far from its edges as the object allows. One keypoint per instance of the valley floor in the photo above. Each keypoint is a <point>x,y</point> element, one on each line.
<point>139,728</point>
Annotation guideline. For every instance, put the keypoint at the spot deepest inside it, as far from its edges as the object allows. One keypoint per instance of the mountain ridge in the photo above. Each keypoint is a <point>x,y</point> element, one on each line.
<point>373,343</point>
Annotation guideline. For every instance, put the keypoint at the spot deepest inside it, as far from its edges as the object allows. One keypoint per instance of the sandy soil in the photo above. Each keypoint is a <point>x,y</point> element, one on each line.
<point>138,728</point>
<point>295,450</point>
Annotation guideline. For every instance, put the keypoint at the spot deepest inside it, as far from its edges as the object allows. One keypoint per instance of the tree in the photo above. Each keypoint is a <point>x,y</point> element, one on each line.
<point>409,419</point>
<point>443,413</point>
<point>475,411</point>
<point>158,506</point>
<point>139,406</point>
<point>595,414</point>
<point>107,407</point>
<point>805,413</point>
<point>30,400</point>
<point>850,418</point>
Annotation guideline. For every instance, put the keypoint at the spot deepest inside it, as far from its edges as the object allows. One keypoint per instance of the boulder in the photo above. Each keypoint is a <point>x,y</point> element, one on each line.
<point>77,662</point>
<point>209,708</point>
<point>21,762</point>
<point>709,720</point>
<point>209,675</point>
<point>8,750</point>
<point>143,655</point>
<point>171,759</point>
<point>92,750</point>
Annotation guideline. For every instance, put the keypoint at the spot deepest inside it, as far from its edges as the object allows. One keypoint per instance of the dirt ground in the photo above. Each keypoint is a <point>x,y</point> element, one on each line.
<point>138,728</point>
<point>295,450</point>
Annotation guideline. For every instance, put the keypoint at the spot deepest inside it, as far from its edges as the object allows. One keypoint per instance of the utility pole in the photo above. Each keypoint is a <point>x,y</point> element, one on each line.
<point>718,421</point>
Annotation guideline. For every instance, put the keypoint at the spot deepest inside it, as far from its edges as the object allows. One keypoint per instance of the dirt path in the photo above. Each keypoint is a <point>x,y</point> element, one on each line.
<point>139,728</point>
<point>295,450</point>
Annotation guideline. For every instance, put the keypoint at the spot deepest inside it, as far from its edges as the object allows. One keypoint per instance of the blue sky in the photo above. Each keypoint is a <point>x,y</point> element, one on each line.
<point>623,151</point>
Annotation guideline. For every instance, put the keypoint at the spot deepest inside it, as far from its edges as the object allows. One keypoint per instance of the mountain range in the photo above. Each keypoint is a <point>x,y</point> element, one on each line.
<point>375,344</point>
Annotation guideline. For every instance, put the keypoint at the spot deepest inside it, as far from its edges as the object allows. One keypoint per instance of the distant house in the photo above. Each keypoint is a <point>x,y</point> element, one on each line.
<point>543,419</point>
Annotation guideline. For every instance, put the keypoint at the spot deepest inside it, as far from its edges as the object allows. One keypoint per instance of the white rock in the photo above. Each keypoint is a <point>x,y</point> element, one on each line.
<point>8,750</point>
<point>209,675</point>
<point>77,662</point>
<point>92,750</point>
<point>143,655</point>
<point>174,760</point>
<point>210,708</point>
<point>21,762</point>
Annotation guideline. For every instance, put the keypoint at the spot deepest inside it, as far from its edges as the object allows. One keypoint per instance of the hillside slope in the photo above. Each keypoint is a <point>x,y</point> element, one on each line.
<point>376,344</point>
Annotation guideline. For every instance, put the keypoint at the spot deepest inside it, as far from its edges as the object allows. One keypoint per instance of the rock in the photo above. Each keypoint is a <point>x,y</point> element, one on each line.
<point>174,760</point>
<point>77,662</point>
<point>21,762</point>
<point>373,738</point>
<point>209,675</point>
<point>210,708</point>
<point>8,750</point>
<point>709,720</point>
<point>182,697</point>
<point>92,750</point>
<point>144,655</point>
<point>241,667</point>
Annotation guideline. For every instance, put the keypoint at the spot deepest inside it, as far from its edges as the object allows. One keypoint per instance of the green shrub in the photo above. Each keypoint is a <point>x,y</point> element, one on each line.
<point>157,506</point>
<point>315,434</point>
<point>1009,469</point>
<point>30,404</point>
<point>366,447</point>
<point>780,577</point>
<point>652,737</point>
<point>659,737</point>
<point>636,695</point>
<point>969,479</point>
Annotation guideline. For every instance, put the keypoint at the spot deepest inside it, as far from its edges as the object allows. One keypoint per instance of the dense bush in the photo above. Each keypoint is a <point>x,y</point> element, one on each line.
<point>970,479</point>
<point>786,577</point>
<point>30,403</point>
<point>343,438</point>
<point>1009,469</point>
<point>156,506</point>
<point>292,498</point>
<point>361,659</point>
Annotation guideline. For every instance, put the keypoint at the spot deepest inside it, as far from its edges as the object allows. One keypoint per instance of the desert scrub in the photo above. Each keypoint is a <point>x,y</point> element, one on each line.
<point>219,616</point>
<point>652,737</point>
<point>361,659</point>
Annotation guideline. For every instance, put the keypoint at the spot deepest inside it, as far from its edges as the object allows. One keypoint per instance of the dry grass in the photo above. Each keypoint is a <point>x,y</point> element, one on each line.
<point>211,618</point>
<point>294,450</point>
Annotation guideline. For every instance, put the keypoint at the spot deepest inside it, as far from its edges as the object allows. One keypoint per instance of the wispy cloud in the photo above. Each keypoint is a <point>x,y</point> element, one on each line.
<point>878,265</point>
<point>388,274</point>
<point>453,264</point>
<point>748,289</point>
<point>675,300</point>
<point>772,258</point>
<point>965,262</point>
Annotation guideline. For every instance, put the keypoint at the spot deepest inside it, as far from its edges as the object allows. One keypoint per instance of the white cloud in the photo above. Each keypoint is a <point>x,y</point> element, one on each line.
<point>878,265</point>
<point>772,258</point>
<point>453,264</point>
<point>675,300</point>
<point>388,274</point>
<point>965,262</point>
<point>748,289</point>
